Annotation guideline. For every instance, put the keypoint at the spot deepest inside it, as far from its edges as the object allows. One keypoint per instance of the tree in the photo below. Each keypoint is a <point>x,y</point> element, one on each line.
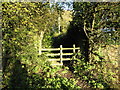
<point>90,19</point>
<point>24,25</point>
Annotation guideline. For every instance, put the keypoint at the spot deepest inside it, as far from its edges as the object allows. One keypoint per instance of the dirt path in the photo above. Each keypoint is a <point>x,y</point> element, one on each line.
<point>68,74</point>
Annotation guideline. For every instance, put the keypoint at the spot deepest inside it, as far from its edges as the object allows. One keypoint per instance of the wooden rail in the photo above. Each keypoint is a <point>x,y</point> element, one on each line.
<point>61,54</point>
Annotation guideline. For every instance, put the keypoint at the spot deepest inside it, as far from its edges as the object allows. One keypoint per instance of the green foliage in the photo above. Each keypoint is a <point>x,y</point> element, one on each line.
<point>95,24</point>
<point>47,40</point>
<point>50,78</point>
<point>110,38</point>
<point>98,73</point>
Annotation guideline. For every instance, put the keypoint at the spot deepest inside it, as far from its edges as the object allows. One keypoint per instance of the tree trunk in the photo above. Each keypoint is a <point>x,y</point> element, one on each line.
<point>40,42</point>
<point>86,44</point>
<point>59,24</point>
<point>93,22</point>
<point>91,45</point>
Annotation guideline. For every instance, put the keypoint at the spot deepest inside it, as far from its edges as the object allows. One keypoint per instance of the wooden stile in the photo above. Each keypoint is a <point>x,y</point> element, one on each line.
<point>61,54</point>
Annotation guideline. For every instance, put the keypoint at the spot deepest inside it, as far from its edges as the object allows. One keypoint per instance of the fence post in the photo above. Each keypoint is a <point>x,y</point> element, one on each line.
<point>73,50</point>
<point>61,54</point>
<point>40,52</point>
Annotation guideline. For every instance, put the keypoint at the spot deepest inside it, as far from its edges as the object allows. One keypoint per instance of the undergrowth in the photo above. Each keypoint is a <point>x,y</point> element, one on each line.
<point>99,73</point>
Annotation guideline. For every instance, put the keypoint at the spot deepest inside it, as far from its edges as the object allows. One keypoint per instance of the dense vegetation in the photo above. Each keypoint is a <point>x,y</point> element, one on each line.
<point>27,27</point>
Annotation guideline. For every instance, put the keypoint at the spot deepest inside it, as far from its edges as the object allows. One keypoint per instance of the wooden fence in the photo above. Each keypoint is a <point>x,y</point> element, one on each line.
<point>61,53</point>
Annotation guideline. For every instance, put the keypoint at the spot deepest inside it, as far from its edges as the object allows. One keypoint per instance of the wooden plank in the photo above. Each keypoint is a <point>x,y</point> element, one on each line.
<point>70,48</point>
<point>74,50</point>
<point>58,54</point>
<point>54,59</point>
<point>53,54</point>
<point>57,64</point>
<point>67,59</point>
<point>50,49</point>
<point>67,54</point>
<point>61,54</point>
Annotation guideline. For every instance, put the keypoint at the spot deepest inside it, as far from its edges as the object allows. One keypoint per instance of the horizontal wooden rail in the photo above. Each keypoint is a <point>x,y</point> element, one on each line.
<point>58,54</point>
<point>53,54</point>
<point>70,48</point>
<point>54,59</point>
<point>51,49</point>
<point>67,54</point>
<point>58,59</point>
<point>57,64</point>
<point>67,59</point>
